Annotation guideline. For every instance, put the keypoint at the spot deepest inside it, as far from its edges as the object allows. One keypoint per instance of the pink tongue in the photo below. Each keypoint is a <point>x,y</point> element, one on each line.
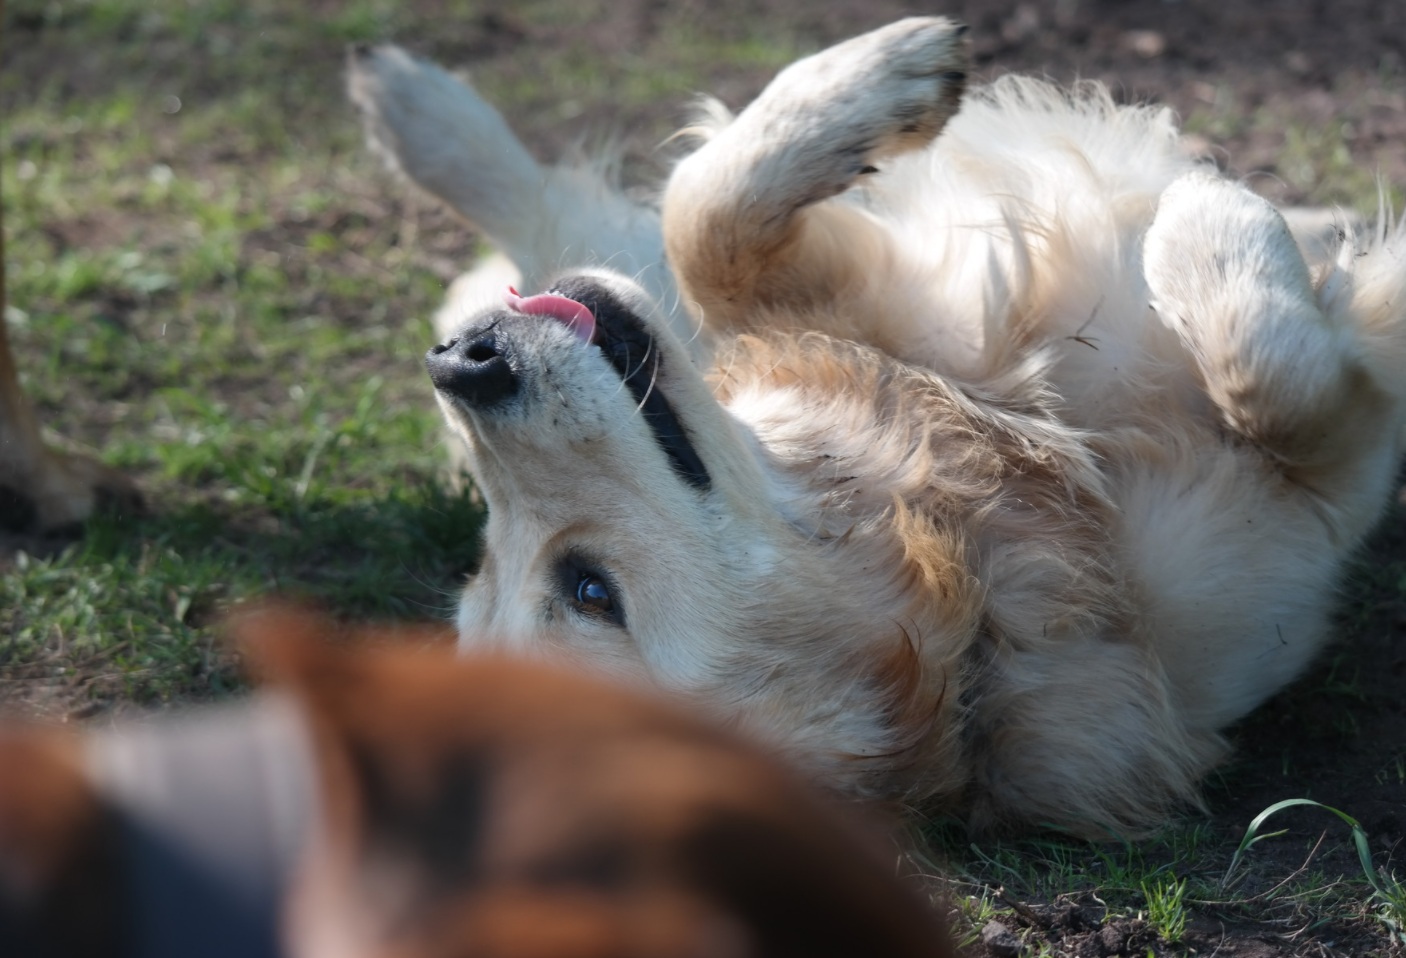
<point>576,316</point>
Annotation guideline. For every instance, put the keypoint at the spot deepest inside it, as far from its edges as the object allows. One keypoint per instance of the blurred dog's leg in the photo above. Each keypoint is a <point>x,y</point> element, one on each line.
<point>41,489</point>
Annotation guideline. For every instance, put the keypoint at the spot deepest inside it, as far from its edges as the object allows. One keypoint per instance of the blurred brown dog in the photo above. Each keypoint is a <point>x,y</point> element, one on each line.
<point>394,802</point>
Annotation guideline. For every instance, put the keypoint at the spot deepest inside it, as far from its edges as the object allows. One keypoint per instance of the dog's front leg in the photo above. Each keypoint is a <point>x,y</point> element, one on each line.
<point>741,222</point>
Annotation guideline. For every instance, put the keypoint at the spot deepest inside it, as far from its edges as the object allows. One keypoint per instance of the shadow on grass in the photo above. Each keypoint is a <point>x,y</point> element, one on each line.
<point>130,610</point>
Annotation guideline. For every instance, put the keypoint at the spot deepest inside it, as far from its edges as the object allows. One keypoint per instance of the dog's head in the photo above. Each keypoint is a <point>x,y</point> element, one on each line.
<point>641,526</point>
<point>612,476</point>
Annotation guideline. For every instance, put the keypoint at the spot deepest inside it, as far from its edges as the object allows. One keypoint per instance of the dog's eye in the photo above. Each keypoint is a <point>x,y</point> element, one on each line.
<point>593,595</point>
<point>588,590</point>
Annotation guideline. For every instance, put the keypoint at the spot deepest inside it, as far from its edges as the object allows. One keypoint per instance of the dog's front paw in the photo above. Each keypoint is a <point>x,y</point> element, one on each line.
<point>1221,258</point>
<point>882,93</point>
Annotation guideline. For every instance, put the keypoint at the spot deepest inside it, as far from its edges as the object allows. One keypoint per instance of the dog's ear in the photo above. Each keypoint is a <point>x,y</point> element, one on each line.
<point>362,688</point>
<point>295,644</point>
<point>283,643</point>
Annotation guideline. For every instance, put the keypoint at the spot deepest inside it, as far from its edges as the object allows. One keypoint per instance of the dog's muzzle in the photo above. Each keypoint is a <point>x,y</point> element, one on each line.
<point>478,367</point>
<point>474,366</point>
<point>481,367</point>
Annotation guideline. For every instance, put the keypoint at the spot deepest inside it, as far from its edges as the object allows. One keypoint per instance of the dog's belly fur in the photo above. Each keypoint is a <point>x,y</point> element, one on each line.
<point>1012,249</point>
<point>1220,563</point>
<point>1041,449</point>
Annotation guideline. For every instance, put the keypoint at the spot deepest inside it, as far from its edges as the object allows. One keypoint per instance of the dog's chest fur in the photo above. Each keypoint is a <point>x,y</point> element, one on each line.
<point>991,488</point>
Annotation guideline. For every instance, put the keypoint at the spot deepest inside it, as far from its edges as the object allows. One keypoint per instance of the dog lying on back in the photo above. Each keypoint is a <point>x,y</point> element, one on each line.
<point>386,801</point>
<point>978,448</point>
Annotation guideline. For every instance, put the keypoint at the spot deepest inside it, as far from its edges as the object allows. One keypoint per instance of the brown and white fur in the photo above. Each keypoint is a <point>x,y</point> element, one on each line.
<point>1034,448</point>
<point>388,799</point>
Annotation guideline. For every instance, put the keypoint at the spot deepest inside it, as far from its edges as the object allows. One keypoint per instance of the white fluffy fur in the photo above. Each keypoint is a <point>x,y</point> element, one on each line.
<point>1035,455</point>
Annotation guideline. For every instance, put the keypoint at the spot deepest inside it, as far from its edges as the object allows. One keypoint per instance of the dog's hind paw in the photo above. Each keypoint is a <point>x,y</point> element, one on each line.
<point>883,93</point>
<point>439,132</point>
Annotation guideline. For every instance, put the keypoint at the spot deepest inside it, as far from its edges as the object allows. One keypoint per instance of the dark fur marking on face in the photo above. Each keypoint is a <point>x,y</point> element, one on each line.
<point>627,344</point>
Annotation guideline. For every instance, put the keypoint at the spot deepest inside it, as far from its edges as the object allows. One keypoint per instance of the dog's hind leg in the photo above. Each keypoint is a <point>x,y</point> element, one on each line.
<point>1285,370</point>
<point>744,221</point>
<point>441,134</point>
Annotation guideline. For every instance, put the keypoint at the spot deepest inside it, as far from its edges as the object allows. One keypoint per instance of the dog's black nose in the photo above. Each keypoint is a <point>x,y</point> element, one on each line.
<point>473,367</point>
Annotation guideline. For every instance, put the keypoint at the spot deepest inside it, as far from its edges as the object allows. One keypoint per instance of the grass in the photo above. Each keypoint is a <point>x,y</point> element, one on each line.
<point>1151,892</point>
<point>1290,156</point>
<point>1388,899</point>
<point>210,286</point>
<point>214,288</point>
<point>1166,907</point>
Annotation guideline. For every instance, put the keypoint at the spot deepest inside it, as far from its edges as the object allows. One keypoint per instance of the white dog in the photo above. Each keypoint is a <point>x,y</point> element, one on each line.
<point>990,459</point>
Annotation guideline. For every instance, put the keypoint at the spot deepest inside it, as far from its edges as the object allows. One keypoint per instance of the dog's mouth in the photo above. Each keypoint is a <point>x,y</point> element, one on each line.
<point>482,374</point>
<point>598,318</point>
